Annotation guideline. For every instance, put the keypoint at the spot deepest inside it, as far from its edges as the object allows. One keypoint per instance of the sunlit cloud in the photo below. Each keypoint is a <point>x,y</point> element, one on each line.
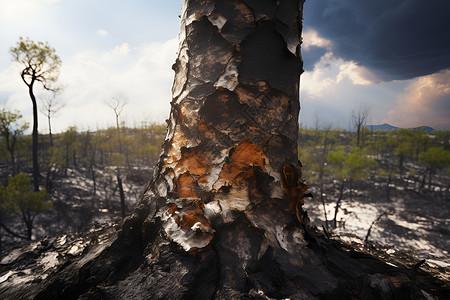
<point>102,32</point>
<point>11,10</point>
<point>311,38</point>
<point>357,74</point>
<point>426,101</point>
<point>119,51</point>
<point>329,72</point>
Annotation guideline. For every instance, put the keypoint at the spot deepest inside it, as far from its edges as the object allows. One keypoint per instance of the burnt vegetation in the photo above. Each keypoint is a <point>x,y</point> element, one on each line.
<point>79,176</point>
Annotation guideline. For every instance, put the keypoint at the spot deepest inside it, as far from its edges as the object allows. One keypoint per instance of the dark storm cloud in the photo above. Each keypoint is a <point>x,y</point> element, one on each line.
<point>396,39</point>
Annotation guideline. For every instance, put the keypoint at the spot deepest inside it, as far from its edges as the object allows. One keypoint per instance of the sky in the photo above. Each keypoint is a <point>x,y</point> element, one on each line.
<point>391,57</point>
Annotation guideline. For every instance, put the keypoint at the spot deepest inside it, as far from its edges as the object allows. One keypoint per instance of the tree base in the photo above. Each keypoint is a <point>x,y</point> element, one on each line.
<point>139,261</point>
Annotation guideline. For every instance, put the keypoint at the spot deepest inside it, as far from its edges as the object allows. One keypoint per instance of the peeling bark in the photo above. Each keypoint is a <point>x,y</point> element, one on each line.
<point>234,120</point>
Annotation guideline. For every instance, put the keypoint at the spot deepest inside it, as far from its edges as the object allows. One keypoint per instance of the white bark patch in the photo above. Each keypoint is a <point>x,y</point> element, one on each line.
<point>162,189</point>
<point>174,154</point>
<point>292,47</point>
<point>229,79</point>
<point>187,238</point>
<point>181,75</point>
<point>236,200</point>
<point>290,240</point>
<point>169,178</point>
<point>221,158</point>
<point>217,20</point>
<point>211,178</point>
<point>211,209</point>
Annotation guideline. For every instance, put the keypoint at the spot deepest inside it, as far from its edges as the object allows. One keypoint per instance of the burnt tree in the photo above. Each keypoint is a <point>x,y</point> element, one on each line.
<point>40,64</point>
<point>222,216</point>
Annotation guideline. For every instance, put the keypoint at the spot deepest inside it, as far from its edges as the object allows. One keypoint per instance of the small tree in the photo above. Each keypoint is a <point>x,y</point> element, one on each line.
<point>11,127</point>
<point>117,104</point>
<point>41,64</point>
<point>359,118</point>
<point>49,108</point>
<point>434,158</point>
<point>69,140</point>
<point>17,198</point>
<point>347,167</point>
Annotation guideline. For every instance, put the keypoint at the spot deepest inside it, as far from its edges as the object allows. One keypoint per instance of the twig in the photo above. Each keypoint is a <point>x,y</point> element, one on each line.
<point>326,232</point>
<point>371,225</point>
<point>417,266</point>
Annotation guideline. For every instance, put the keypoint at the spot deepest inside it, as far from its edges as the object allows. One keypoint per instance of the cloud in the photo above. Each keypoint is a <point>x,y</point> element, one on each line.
<point>11,10</point>
<point>312,39</point>
<point>426,101</point>
<point>329,72</point>
<point>102,32</point>
<point>141,73</point>
<point>397,39</point>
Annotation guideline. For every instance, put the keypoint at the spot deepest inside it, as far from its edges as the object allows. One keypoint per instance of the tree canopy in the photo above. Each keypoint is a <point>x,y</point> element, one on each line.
<point>39,60</point>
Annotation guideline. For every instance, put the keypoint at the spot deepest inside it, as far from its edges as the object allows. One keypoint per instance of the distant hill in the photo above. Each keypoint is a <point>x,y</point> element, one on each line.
<point>423,128</point>
<point>384,126</point>
<point>388,127</point>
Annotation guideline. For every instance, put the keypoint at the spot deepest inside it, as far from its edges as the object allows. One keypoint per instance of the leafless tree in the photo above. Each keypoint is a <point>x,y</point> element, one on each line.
<point>117,104</point>
<point>359,118</point>
<point>49,107</point>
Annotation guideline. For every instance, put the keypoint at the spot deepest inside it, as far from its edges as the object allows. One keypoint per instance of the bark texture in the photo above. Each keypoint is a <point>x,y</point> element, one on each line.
<point>222,217</point>
<point>231,144</point>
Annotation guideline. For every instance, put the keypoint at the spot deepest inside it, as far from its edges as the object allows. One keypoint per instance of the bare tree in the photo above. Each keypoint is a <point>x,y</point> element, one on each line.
<point>50,106</point>
<point>359,118</point>
<point>117,104</point>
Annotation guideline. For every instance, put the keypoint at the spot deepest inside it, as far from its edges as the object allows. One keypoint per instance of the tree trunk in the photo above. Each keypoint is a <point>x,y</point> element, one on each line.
<point>121,194</point>
<point>10,140</point>
<point>35,138</point>
<point>430,175</point>
<point>358,135</point>
<point>338,202</point>
<point>222,216</point>
<point>50,130</point>
<point>388,189</point>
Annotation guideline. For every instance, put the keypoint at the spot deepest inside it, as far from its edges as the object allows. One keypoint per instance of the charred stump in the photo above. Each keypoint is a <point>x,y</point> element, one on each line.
<point>222,217</point>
